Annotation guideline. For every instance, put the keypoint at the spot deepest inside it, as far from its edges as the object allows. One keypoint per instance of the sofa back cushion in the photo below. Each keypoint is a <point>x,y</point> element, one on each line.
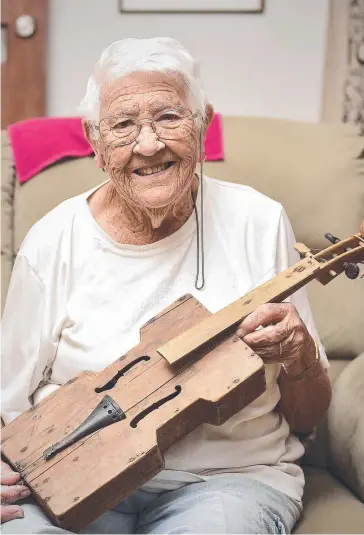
<point>33,199</point>
<point>313,170</point>
<point>317,172</point>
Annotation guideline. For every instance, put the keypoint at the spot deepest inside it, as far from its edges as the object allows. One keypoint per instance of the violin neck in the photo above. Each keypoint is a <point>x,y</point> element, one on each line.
<point>201,338</point>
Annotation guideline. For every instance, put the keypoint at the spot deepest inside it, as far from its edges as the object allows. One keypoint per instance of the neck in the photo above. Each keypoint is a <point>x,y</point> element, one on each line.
<point>222,324</point>
<point>134,225</point>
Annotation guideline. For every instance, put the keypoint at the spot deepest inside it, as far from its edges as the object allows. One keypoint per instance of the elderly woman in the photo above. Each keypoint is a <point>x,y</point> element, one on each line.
<point>100,265</point>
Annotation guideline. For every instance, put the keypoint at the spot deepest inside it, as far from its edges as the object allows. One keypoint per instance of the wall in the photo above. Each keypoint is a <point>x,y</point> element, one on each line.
<point>268,65</point>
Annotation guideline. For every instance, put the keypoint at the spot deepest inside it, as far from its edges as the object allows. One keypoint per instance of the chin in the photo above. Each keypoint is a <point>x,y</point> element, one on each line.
<point>157,197</point>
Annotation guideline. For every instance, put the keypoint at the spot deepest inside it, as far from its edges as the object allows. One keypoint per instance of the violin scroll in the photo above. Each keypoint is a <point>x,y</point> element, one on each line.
<point>340,256</point>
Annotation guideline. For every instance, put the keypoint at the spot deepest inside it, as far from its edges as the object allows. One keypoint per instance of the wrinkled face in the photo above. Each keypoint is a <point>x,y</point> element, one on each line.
<point>154,166</point>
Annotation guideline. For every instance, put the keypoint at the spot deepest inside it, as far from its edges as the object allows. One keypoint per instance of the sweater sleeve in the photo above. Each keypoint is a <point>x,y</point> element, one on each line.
<point>286,256</point>
<point>23,361</point>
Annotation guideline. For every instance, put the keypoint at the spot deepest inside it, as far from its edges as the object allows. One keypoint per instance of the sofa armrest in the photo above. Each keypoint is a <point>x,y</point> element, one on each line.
<point>316,450</point>
<point>7,214</point>
<point>329,506</point>
<point>345,425</point>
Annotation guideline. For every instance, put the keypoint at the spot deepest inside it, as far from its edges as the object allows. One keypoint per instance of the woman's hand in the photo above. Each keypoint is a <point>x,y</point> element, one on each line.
<point>283,338</point>
<point>11,491</point>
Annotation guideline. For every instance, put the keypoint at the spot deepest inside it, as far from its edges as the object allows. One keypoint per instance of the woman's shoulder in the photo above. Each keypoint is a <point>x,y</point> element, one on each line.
<point>48,235</point>
<point>236,196</point>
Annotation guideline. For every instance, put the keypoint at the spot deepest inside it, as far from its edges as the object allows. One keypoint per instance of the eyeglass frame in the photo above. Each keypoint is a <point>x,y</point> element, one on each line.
<point>141,122</point>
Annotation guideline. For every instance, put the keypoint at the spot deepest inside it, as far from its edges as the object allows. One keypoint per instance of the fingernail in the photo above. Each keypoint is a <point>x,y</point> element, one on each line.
<point>24,493</point>
<point>239,332</point>
<point>20,514</point>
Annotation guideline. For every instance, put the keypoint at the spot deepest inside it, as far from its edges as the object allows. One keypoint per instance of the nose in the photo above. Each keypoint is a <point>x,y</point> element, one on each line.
<point>147,143</point>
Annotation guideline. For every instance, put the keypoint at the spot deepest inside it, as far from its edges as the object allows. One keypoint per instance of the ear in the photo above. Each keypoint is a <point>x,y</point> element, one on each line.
<point>88,128</point>
<point>88,131</point>
<point>209,115</point>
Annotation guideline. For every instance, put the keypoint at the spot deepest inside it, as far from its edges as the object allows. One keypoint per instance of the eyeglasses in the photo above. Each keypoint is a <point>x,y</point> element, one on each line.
<point>168,125</point>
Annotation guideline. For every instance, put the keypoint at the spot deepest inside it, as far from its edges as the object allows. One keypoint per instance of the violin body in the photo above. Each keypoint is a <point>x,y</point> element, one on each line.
<point>84,480</point>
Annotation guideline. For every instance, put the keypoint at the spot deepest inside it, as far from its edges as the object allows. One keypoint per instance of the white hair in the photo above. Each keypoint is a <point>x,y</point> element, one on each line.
<point>127,56</point>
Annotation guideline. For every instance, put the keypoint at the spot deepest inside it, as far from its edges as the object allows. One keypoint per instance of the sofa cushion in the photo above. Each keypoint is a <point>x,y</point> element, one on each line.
<point>338,309</point>
<point>329,507</point>
<point>33,199</point>
<point>346,427</point>
<point>314,170</point>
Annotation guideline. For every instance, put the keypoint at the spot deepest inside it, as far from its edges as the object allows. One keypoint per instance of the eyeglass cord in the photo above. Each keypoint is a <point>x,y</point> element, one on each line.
<point>200,250</point>
<point>200,241</point>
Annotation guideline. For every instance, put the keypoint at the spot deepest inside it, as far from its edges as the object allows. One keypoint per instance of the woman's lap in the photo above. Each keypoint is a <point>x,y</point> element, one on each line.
<point>226,504</point>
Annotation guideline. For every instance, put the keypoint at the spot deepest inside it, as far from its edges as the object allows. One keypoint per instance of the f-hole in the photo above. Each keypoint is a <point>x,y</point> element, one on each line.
<point>154,406</point>
<point>110,384</point>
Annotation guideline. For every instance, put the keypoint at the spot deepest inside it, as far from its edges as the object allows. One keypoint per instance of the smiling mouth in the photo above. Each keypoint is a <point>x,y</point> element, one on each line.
<point>146,171</point>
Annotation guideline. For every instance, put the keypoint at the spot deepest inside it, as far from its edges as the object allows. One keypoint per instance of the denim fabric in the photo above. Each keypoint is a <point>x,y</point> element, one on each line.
<point>225,504</point>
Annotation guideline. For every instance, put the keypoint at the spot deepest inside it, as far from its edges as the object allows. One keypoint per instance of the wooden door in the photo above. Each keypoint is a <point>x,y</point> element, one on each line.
<point>23,63</point>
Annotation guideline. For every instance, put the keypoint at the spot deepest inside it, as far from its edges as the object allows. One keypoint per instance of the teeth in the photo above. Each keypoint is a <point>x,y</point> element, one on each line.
<point>151,170</point>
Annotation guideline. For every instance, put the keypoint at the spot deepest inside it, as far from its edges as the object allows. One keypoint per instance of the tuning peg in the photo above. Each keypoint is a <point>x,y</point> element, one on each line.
<point>352,271</point>
<point>331,238</point>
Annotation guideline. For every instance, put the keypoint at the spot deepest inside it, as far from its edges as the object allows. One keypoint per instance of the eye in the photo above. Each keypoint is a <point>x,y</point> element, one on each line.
<point>123,124</point>
<point>169,116</point>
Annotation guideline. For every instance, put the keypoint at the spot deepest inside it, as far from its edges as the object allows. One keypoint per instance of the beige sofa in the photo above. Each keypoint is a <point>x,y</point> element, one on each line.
<point>317,173</point>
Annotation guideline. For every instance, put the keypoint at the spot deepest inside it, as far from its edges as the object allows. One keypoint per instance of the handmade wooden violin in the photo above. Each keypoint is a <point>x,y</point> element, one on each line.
<point>101,436</point>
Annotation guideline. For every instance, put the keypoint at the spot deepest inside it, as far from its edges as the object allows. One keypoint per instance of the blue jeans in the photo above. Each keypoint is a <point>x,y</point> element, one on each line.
<point>225,504</point>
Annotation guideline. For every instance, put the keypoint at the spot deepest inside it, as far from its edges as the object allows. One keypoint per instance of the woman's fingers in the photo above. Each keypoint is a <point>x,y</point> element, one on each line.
<point>11,490</point>
<point>6,469</point>
<point>263,316</point>
<point>7,475</point>
<point>10,478</point>
<point>267,336</point>
<point>13,493</point>
<point>274,318</point>
<point>281,337</point>
<point>10,512</point>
